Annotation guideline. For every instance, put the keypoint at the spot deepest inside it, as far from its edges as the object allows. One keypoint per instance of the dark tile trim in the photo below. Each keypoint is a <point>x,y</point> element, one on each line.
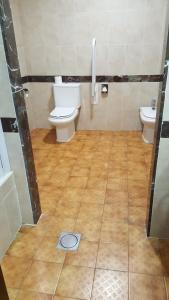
<point>3,289</point>
<point>6,24</point>
<point>125,78</point>
<point>9,124</point>
<point>165,129</point>
<point>165,77</point>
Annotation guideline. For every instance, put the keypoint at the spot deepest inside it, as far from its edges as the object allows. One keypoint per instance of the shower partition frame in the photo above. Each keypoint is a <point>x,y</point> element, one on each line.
<point>8,35</point>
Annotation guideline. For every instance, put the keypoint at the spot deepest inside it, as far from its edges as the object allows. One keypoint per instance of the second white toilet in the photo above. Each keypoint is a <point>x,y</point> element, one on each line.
<point>148,119</point>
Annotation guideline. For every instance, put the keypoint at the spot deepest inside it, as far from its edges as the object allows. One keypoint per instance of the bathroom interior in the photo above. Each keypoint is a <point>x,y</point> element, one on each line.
<point>84,139</point>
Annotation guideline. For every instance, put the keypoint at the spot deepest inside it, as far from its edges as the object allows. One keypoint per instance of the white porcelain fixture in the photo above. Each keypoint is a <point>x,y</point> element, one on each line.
<point>148,119</point>
<point>67,104</point>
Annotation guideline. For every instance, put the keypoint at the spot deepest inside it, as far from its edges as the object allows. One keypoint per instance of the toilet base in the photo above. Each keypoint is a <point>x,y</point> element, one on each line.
<point>148,134</point>
<point>65,134</point>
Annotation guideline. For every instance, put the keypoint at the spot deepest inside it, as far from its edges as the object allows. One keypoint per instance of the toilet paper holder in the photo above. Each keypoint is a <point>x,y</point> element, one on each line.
<point>104,88</point>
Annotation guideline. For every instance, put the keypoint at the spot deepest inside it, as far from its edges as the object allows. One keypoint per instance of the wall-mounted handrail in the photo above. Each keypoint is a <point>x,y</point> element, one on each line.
<point>93,69</point>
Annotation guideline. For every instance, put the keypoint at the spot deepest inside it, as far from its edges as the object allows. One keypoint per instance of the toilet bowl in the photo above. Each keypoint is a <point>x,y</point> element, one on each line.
<point>67,104</point>
<point>148,119</point>
<point>63,119</point>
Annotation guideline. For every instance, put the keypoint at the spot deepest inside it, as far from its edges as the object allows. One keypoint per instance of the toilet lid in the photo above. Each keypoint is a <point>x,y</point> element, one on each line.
<point>62,112</point>
<point>149,112</point>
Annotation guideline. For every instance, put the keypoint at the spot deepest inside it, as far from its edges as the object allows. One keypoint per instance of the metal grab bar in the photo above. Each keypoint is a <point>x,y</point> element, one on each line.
<point>93,70</point>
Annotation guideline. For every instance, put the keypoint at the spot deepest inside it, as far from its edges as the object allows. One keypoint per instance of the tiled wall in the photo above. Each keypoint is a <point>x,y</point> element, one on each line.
<point>160,212</point>
<point>56,39</point>
<point>57,35</point>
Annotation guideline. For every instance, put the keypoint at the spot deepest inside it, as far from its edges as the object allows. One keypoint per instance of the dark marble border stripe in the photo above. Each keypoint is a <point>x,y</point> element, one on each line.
<point>9,124</point>
<point>165,129</point>
<point>100,78</point>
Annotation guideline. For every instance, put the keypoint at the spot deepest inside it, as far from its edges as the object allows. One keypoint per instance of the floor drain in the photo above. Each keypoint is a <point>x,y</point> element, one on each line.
<point>69,241</point>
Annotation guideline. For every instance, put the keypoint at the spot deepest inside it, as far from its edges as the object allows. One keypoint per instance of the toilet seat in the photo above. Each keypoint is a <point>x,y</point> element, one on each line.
<point>147,115</point>
<point>148,112</point>
<point>62,112</point>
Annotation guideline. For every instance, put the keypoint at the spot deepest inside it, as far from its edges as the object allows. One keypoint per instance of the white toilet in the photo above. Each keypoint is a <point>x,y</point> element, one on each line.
<point>67,103</point>
<point>148,119</point>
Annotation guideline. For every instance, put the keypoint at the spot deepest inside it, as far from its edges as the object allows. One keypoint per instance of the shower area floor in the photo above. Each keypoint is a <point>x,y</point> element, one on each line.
<point>97,186</point>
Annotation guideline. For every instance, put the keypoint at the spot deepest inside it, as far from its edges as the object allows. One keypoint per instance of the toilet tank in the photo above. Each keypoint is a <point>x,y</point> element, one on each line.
<point>67,94</point>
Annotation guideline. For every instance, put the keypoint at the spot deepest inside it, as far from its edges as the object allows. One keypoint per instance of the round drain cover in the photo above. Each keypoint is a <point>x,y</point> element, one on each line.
<point>69,240</point>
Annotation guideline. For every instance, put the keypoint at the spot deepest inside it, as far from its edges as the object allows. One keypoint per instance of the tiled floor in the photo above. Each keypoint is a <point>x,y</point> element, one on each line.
<point>95,185</point>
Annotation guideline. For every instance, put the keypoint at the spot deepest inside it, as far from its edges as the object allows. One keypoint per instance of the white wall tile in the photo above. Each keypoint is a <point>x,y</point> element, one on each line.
<point>116,60</point>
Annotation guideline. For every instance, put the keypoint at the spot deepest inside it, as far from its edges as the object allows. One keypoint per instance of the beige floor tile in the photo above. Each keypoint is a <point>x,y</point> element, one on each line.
<point>137,187</point>
<point>117,184</point>
<point>136,173</point>
<point>97,183</point>
<point>91,212</point>
<point>164,252</point>
<point>86,155</point>
<point>80,171</point>
<point>112,232</point>
<point>137,215</point>
<point>113,256</point>
<point>138,201</point>
<point>72,194</point>
<point>25,245</point>
<point>63,298</point>
<point>93,196</point>
<point>83,163</point>
<point>12,293</point>
<point>58,225</point>
<point>85,256</point>
<point>48,252</point>
<point>143,250</point>
<point>100,164</point>
<point>115,213</point>
<point>48,207</point>
<point>118,156</point>
<point>58,181</point>
<point>117,172</point>
<point>61,171</point>
<point>42,277</point>
<point>138,192</point>
<point>75,282</point>
<point>147,287</point>
<point>98,172</point>
<point>110,285</point>
<point>71,154</point>
<point>26,295</point>
<point>116,197</point>
<point>90,230</point>
<point>67,209</point>
<point>14,270</point>
<point>50,193</point>
<point>77,182</point>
